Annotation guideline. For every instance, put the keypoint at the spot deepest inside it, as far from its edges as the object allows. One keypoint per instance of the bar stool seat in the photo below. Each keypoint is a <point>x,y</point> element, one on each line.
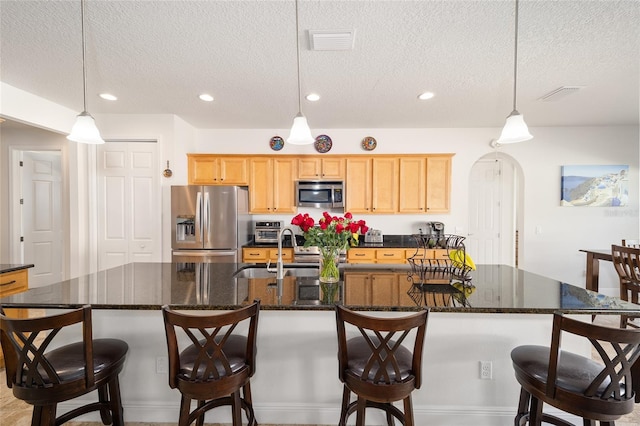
<point>596,391</point>
<point>375,365</point>
<point>44,378</point>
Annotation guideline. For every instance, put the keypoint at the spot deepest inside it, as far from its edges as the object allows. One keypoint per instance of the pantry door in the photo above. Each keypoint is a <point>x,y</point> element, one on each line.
<point>129,212</point>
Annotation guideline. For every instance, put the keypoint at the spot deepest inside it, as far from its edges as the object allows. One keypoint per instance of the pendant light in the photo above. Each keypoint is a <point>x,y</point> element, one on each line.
<point>84,130</point>
<point>300,132</point>
<point>515,129</point>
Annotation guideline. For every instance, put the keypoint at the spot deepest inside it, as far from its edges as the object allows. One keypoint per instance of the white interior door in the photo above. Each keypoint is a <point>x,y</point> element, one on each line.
<point>129,219</point>
<point>42,216</point>
<point>492,212</point>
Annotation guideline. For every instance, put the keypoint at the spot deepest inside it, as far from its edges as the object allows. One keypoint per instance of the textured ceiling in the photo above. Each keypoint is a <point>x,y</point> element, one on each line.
<point>157,56</point>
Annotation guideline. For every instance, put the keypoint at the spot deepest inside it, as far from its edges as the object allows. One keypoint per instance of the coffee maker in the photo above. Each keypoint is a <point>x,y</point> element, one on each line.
<point>435,232</point>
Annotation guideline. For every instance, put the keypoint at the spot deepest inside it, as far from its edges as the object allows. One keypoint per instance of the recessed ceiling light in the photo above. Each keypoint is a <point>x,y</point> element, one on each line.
<point>108,96</point>
<point>426,95</point>
<point>313,97</point>
<point>206,97</point>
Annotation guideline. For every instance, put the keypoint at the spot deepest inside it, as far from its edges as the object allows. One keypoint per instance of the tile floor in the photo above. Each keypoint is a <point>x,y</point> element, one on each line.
<point>17,413</point>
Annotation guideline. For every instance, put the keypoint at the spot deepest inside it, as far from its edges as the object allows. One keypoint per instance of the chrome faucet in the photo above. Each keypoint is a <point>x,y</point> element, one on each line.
<point>279,265</point>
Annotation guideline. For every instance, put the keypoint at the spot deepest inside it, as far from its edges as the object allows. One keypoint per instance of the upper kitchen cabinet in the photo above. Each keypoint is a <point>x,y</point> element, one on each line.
<point>321,168</point>
<point>206,169</point>
<point>372,184</point>
<point>425,184</point>
<point>272,185</point>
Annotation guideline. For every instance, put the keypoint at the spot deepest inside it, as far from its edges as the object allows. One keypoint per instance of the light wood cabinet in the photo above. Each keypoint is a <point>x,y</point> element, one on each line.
<point>321,168</point>
<point>205,169</point>
<point>272,185</point>
<point>376,255</point>
<point>372,185</point>
<point>371,288</point>
<point>425,184</point>
<point>14,282</point>
<point>263,255</point>
<point>266,290</point>
<point>438,184</point>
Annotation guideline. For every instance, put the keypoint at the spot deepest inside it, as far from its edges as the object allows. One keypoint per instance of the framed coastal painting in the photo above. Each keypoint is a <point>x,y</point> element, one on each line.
<point>595,186</point>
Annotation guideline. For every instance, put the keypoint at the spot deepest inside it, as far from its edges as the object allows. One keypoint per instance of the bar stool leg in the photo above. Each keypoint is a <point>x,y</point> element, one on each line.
<point>362,405</point>
<point>346,397</point>
<point>185,405</point>
<point>408,411</point>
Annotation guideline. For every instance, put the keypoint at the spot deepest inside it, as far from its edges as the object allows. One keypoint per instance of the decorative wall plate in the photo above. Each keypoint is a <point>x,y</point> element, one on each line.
<point>323,143</point>
<point>276,143</point>
<point>369,143</point>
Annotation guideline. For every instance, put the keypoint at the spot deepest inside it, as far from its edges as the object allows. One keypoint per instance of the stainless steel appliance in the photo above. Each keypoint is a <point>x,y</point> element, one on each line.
<point>266,232</point>
<point>320,194</point>
<point>435,230</point>
<point>209,223</point>
<point>373,236</point>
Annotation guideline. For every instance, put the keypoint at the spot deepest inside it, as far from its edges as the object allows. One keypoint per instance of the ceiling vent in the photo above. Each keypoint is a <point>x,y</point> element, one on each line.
<point>559,93</point>
<point>331,39</point>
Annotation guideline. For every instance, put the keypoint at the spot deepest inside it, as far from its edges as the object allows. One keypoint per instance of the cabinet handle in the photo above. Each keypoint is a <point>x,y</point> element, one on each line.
<point>359,254</point>
<point>387,254</point>
<point>9,283</point>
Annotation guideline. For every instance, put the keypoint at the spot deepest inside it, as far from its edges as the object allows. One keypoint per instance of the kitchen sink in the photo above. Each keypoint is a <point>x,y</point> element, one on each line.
<point>261,272</point>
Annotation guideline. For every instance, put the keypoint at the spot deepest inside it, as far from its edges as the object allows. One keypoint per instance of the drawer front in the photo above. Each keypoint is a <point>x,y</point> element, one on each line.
<point>383,255</point>
<point>14,282</point>
<point>441,254</point>
<point>361,255</point>
<point>250,255</point>
<point>287,255</point>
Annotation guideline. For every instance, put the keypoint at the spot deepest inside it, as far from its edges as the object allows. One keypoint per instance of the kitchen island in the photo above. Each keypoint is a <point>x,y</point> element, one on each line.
<point>296,380</point>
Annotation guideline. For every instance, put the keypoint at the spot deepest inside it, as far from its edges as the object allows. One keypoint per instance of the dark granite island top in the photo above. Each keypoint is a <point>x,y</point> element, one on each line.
<point>148,286</point>
<point>12,267</point>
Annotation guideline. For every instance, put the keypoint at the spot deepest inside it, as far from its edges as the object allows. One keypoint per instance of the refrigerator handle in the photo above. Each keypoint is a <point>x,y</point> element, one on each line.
<point>207,217</point>
<point>198,216</point>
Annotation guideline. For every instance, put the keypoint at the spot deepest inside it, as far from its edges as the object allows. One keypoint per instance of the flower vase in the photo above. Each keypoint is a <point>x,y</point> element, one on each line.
<point>329,292</point>
<point>329,258</point>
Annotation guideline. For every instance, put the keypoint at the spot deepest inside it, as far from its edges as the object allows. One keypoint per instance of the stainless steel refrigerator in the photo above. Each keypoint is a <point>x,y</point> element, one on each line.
<point>210,224</point>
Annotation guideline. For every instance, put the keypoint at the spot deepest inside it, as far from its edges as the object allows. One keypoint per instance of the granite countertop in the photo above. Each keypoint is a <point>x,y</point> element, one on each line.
<point>149,286</point>
<point>12,267</point>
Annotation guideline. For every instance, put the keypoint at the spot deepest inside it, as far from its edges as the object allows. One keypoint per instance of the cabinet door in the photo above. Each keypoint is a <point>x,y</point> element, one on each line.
<point>384,195</point>
<point>203,170</point>
<point>412,185</point>
<point>284,173</point>
<point>333,168</point>
<point>357,288</point>
<point>233,171</point>
<point>404,285</point>
<point>384,289</point>
<point>261,186</point>
<point>438,184</point>
<point>309,168</point>
<point>358,185</point>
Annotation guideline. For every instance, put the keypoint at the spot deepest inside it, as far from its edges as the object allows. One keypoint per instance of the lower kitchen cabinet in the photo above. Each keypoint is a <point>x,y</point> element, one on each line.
<point>12,283</point>
<point>266,290</point>
<point>376,289</point>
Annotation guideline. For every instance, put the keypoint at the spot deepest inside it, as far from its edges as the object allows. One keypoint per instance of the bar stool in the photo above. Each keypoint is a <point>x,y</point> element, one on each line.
<point>575,384</point>
<point>626,261</point>
<point>376,367</point>
<point>215,364</point>
<point>44,378</point>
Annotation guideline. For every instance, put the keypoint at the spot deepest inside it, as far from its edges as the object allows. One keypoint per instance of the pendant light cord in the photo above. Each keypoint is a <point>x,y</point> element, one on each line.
<point>84,71</point>
<point>515,61</point>
<point>298,60</point>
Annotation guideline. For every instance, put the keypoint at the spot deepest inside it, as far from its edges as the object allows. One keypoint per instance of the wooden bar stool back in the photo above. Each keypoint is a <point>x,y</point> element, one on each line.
<point>43,377</point>
<point>596,391</point>
<point>211,362</point>
<point>376,366</point>
<point>626,261</point>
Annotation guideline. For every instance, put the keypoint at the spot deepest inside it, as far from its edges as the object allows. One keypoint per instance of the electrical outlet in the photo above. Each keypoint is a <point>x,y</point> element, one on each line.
<point>162,365</point>
<point>486,370</point>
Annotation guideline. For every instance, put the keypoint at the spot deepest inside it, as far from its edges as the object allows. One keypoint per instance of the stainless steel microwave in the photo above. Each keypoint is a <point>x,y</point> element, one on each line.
<point>320,194</point>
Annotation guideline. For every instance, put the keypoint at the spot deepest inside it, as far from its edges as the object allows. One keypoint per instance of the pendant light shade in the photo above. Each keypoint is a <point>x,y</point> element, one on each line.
<point>84,130</point>
<point>300,132</point>
<point>515,129</point>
